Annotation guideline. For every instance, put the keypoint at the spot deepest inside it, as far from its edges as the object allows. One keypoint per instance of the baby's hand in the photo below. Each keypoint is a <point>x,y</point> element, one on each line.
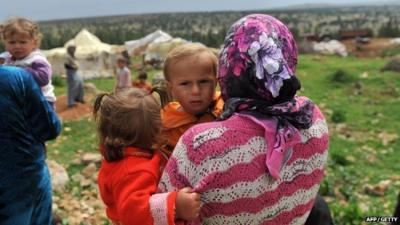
<point>187,204</point>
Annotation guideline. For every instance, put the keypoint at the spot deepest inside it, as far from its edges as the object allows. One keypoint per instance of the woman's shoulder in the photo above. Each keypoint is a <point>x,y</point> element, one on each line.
<point>220,133</point>
<point>317,113</point>
<point>235,122</point>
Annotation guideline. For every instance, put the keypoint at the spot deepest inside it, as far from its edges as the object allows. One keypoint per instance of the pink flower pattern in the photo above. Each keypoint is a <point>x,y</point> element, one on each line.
<point>263,43</point>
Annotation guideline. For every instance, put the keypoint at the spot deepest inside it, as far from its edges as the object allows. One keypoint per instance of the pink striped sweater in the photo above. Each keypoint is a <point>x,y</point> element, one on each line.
<point>225,162</point>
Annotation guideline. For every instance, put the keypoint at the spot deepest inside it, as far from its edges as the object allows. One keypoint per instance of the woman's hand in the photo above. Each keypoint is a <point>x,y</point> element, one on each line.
<point>187,204</point>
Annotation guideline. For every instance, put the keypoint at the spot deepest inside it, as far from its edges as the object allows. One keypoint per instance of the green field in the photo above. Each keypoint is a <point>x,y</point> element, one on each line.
<point>362,107</point>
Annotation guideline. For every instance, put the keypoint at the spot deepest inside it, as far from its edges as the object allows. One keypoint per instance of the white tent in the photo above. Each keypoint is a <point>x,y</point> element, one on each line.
<point>95,58</point>
<point>395,41</point>
<point>138,46</point>
<point>330,48</point>
<point>158,51</point>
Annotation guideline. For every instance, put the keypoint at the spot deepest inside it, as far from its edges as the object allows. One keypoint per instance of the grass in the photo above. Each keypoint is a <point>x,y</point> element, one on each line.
<point>366,102</point>
<point>104,84</point>
<point>350,166</point>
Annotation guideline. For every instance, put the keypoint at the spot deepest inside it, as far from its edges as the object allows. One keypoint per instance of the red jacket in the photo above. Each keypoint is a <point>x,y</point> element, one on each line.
<point>128,188</point>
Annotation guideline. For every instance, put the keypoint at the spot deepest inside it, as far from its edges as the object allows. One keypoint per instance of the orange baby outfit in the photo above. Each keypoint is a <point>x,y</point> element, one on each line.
<point>176,121</point>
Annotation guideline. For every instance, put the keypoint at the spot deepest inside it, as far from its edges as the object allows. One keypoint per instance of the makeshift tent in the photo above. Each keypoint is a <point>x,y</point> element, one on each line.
<point>95,58</point>
<point>158,51</point>
<point>395,41</point>
<point>330,48</point>
<point>137,47</point>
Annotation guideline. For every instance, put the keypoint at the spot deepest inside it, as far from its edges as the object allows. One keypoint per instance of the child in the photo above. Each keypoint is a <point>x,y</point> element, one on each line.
<point>123,74</point>
<point>190,71</point>
<point>141,81</point>
<point>22,40</point>
<point>128,126</point>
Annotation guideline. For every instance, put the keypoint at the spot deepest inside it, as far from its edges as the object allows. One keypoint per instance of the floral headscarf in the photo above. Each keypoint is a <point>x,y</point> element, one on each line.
<point>257,78</point>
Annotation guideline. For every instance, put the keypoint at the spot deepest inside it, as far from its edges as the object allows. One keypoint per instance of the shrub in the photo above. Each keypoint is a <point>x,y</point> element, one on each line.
<point>338,116</point>
<point>57,81</point>
<point>389,52</point>
<point>341,76</point>
<point>339,159</point>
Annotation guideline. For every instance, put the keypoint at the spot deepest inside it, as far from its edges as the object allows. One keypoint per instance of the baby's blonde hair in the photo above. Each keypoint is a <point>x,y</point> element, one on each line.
<point>185,51</point>
<point>21,25</point>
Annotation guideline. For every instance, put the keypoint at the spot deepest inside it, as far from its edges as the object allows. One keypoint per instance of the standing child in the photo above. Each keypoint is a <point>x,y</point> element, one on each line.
<point>141,81</point>
<point>22,40</point>
<point>123,74</point>
<point>190,71</point>
<point>128,126</point>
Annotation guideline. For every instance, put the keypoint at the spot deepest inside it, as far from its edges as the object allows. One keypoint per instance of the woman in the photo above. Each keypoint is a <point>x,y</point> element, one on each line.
<point>27,121</point>
<point>74,79</point>
<point>262,163</point>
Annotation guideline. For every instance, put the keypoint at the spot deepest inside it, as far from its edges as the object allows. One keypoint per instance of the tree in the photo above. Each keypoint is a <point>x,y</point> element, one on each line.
<point>389,30</point>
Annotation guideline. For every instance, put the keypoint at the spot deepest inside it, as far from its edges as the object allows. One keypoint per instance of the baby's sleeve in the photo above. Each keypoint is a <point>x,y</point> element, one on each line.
<point>41,72</point>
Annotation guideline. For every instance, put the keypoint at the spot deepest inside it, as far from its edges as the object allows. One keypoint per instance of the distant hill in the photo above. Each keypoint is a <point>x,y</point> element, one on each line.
<point>210,27</point>
<point>326,5</point>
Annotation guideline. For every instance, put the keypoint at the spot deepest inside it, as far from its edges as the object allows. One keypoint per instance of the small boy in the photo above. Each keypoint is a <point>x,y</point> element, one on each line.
<point>141,82</point>
<point>123,74</point>
<point>190,71</point>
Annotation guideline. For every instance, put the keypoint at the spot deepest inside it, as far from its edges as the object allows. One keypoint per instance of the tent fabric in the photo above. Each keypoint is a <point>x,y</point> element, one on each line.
<point>95,58</point>
<point>330,48</point>
<point>395,41</point>
<point>158,51</point>
<point>135,47</point>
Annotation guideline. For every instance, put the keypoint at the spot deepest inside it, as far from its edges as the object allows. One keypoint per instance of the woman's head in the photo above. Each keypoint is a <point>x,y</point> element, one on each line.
<point>130,117</point>
<point>71,50</point>
<point>21,36</point>
<point>258,60</point>
<point>190,71</point>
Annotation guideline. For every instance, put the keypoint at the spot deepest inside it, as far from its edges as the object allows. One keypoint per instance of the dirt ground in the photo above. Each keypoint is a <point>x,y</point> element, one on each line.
<point>75,113</point>
<point>371,49</point>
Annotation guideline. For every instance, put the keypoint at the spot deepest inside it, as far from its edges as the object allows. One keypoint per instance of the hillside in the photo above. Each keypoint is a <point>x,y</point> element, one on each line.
<point>210,27</point>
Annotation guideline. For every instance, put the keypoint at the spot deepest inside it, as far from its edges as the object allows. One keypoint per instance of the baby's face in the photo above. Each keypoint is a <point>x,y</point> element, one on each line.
<point>20,45</point>
<point>192,82</point>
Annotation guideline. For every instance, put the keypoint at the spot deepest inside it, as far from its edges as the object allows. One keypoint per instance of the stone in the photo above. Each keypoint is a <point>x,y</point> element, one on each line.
<point>59,175</point>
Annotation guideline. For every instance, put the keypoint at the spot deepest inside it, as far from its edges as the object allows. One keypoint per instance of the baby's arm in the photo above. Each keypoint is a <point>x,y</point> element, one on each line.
<point>187,206</point>
<point>41,72</point>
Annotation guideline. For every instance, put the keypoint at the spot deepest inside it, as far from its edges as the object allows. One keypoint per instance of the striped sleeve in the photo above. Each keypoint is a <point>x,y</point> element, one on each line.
<point>174,177</point>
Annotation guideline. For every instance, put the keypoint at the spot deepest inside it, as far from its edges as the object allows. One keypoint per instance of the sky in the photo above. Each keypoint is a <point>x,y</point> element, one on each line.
<point>61,9</point>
